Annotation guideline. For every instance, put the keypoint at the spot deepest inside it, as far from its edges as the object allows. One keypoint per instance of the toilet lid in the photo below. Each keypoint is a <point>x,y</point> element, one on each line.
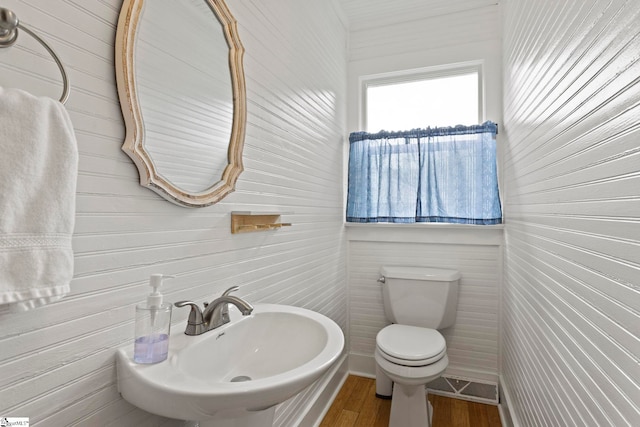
<point>410,343</point>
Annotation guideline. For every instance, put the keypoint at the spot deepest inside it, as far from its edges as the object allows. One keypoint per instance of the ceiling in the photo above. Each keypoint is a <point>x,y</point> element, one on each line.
<point>363,14</point>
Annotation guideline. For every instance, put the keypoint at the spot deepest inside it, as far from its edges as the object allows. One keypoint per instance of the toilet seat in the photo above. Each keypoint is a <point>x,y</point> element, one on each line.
<point>411,375</point>
<point>410,345</point>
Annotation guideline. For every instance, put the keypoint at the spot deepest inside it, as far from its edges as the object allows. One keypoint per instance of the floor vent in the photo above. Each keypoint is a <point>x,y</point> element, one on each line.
<point>465,388</point>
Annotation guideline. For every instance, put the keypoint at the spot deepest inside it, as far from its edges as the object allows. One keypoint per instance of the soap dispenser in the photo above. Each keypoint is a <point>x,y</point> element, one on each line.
<point>153,323</point>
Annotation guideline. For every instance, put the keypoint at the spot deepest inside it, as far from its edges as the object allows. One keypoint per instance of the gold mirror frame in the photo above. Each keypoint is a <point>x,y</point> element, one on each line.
<point>133,145</point>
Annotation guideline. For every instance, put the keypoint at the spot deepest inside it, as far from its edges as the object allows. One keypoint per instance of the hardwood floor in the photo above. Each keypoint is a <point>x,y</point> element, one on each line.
<point>356,405</point>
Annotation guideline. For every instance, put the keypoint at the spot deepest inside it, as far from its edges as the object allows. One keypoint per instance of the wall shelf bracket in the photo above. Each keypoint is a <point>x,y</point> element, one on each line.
<point>247,222</point>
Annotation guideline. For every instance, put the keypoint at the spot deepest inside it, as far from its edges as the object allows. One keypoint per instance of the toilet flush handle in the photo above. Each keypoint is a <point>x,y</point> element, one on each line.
<point>382,279</point>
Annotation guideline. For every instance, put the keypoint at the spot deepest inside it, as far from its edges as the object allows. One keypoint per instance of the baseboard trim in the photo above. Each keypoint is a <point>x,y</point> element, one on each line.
<point>364,365</point>
<point>506,416</point>
<point>482,386</point>
<point>319,405</point>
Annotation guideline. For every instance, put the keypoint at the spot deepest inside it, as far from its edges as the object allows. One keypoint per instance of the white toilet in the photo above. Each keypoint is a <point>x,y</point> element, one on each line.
<point>411,352</point>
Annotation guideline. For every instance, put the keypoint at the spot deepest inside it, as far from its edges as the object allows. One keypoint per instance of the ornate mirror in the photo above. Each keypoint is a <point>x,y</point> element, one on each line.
<point>182,92</point>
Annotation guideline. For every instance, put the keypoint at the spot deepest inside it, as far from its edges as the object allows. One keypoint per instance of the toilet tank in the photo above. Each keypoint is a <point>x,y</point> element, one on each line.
<point>420,296</point>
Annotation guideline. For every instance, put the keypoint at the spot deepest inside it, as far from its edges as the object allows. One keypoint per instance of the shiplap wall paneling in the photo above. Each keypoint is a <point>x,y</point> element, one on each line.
<point>440,33</point>
<point>472,342</point>
<point>368,14</point>
<point>571,300</point>
<point>57,363</point>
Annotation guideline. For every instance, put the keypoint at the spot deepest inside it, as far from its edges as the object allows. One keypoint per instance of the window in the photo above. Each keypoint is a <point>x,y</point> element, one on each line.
<point>423,173</point>
<point>438,98</point>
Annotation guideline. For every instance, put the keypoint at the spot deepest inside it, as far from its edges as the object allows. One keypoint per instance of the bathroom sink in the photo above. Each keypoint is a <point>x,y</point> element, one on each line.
<point>238,372</point>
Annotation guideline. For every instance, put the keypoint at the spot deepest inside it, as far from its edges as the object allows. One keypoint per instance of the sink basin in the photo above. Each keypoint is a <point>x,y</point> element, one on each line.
<point>235,374</point>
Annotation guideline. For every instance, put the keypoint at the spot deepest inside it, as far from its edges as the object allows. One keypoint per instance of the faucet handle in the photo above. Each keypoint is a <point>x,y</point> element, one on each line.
<point>231,289</point>
<point>195,323</point>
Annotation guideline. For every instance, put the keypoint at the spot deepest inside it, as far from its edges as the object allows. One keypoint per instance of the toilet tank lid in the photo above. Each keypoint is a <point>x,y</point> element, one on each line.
<point>419,273</point>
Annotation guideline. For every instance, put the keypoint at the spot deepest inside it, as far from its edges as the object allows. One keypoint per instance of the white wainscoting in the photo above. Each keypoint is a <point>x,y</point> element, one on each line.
<point>571,295</point>
<point>57,363</point>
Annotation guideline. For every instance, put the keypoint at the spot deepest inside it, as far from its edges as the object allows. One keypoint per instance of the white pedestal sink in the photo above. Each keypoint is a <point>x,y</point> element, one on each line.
<point>234,376</point>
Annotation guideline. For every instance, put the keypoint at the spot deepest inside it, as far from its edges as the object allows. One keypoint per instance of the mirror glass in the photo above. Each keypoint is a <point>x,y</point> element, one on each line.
<point>182,83</point>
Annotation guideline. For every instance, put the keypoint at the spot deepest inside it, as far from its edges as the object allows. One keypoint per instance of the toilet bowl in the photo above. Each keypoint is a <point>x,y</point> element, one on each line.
<point>409,357</point>
<point>411,352</point>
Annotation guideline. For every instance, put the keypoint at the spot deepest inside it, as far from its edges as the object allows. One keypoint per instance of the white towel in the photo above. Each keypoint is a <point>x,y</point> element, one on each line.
<point>38,174</point>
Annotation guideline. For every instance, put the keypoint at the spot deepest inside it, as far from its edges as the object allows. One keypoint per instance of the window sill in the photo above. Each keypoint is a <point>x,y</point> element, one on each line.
<point>436,233</point>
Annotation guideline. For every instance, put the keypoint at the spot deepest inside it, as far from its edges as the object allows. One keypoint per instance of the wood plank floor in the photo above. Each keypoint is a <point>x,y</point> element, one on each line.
<point>356,405</point>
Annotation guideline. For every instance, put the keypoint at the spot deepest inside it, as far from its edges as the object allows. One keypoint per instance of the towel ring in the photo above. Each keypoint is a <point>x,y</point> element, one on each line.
<point>9,25</point>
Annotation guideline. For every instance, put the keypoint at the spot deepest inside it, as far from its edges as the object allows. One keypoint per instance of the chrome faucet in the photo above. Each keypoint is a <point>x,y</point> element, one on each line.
<point>215,314</point>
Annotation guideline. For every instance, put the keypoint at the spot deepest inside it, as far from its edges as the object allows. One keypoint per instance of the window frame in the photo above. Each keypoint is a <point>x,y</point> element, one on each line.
<point>405,76</point>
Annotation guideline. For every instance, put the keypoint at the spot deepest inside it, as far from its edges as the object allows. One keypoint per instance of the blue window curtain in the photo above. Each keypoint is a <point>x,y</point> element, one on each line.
<point>425,175</point>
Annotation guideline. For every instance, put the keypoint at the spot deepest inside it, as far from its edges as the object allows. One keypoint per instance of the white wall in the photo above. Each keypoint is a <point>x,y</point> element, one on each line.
<point>57,363</point>
<point>572,279</point>
<point>472,344</point>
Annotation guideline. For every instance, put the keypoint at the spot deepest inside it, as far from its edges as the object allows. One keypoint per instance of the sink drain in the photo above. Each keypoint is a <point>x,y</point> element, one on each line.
<point>240,378</point>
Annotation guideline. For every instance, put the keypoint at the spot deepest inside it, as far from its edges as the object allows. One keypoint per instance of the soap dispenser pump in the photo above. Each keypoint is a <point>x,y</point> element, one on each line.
<point>153,323</point>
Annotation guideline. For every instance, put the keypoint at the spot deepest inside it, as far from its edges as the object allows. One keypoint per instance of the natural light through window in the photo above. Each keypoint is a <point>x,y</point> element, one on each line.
<point>432,101</point>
